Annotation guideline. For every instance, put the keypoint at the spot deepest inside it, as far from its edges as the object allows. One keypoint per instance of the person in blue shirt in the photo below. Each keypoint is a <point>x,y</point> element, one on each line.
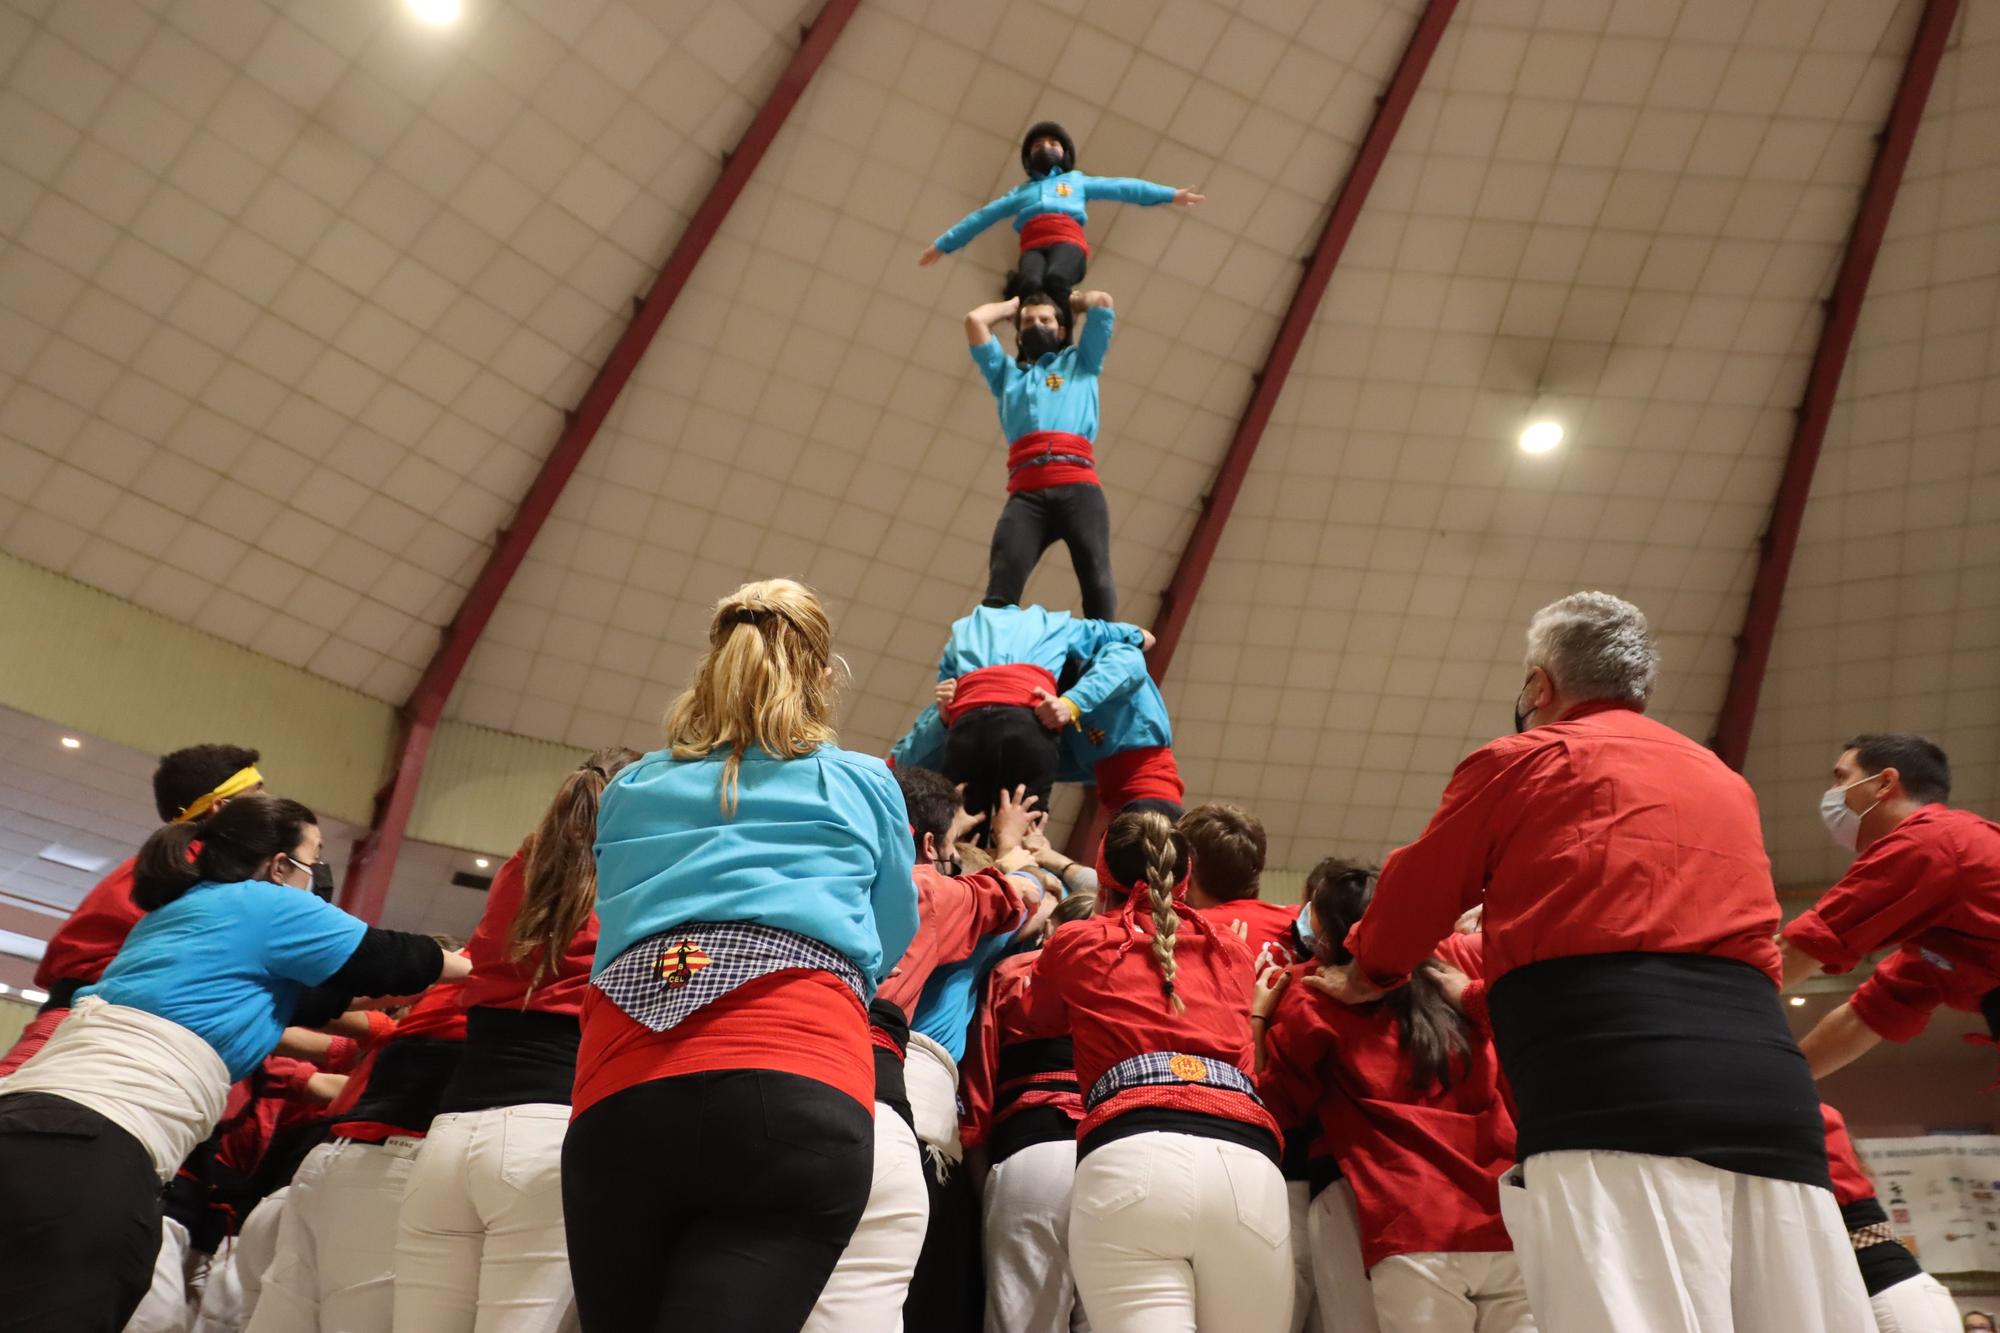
<point>231,943</point>
<point>995,728</point>
<point>1047,399</point>
<point>754,883</point>
<point>1049,210</point>
<point>1120,738</point>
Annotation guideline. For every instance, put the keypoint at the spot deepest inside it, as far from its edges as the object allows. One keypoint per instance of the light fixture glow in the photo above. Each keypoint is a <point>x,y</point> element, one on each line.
<point>33,996</point>
<point>481,862</point>
<point>1538,437</point>
<point>1798,1002</point>
<point>436,12</point>
<point>71,743</point>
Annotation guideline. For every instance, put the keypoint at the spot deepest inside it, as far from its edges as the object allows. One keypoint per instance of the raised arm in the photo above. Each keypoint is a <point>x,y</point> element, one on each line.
<point>1095,309</point>
<point>979,320</point>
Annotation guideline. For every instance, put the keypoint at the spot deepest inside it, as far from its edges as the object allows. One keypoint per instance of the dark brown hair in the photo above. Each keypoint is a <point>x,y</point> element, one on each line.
<point>235,842</point>
<point>1432,1033</point>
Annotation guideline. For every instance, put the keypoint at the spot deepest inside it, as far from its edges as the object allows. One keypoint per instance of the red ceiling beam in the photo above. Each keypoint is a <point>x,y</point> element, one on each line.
<point>367,883</point>
<point>1843,312</point>
<point>1177,602</point>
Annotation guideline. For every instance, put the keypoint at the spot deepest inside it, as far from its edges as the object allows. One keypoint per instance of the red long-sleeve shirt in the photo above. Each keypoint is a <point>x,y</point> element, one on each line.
<point>1932,885</point>
<point>954,913</point>
<point>1605,832</point>
<point>1098,979</point>
<point>1007,1019</point>
<point>499,981</point>
<point>84,944</point>
<point>1425,1165</point>
<point>1268,927</point>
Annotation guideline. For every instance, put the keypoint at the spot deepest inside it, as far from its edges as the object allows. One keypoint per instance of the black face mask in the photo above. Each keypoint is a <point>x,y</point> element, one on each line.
<point>1037,342</point>
<point>1045,159</point>
<point>322,885</point>
<point>1520,713</point>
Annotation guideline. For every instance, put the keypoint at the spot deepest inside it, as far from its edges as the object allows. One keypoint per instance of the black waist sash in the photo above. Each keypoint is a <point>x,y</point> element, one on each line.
<point>513,1057</point>
<point>890,1089</point>
<point>1675,1055</point>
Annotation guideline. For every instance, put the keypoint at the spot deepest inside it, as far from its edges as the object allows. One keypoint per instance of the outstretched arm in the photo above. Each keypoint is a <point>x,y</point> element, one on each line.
<point>961,233</point>
<point>1126,190</point>
<point>1837,1041</point>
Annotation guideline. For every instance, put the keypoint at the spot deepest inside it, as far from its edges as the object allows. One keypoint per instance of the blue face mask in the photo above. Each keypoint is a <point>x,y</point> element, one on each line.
<point>1304,926</point>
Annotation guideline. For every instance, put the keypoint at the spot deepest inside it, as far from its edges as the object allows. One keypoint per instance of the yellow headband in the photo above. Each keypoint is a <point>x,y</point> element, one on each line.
<point>242,780</point>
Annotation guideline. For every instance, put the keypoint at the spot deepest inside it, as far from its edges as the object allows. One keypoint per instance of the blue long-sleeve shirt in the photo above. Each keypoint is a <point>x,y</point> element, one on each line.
<point>1063,192</point>
<point>819,845</point>
<point>1056,392</point>
<point>1031,635</point>
<point>1121,711</point>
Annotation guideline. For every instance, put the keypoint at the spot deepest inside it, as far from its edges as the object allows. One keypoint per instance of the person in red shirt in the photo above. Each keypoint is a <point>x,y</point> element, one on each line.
<point>1228,845</point>
<point>190,783</point>
<point>1022,1107</point>
<point>1178,1216</point>
<point>1669,1134</point>
<point>1927,881</point>
<point>1904,1297</point>
<point>334,1264</point>
<point>867,1289</point>
<point>481,1227</point>
<point>1408,1091</point>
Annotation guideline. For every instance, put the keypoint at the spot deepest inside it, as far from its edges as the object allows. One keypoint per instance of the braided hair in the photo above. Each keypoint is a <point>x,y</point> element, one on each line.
<point>1143,848</point>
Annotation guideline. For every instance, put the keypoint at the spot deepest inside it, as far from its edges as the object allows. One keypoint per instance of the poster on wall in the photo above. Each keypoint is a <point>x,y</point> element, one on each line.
<point>1942,1194</point>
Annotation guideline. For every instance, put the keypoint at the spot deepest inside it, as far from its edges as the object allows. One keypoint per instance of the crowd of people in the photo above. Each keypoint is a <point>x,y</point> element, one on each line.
<point>760,1033</point>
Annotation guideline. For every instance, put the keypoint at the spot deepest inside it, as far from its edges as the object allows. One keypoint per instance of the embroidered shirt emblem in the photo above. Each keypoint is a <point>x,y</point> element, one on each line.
<point>1188,1069</point>
<point>1054,381</point>
<point>679,962</point>
<point>1063,190</point>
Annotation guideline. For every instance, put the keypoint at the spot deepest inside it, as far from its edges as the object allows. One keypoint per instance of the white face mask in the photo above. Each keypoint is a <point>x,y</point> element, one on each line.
<point>1842,824</point>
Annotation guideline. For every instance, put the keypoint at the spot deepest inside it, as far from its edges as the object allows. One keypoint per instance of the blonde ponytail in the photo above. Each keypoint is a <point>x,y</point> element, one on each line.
<point>765,681</point>
<point>1148,844</point>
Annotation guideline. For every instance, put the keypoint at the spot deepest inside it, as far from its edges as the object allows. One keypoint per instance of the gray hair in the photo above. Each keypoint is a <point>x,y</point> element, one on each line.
<point>1595,646</point>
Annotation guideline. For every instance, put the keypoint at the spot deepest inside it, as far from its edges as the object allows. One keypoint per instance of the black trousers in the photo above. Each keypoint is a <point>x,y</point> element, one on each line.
<point>79,1218</point>
<point>1033,521</point>
<point>1053,270</point>
<point>948,1288</point>
<point>1000,748</point>
<point>717,1201</point>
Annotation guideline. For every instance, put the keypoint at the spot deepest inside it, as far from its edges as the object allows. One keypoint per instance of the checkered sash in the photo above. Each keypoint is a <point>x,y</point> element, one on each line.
<point>664,978</point>
<point>1168,1069</point>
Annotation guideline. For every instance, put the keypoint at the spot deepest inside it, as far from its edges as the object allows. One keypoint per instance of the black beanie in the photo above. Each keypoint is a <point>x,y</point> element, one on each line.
<point>1048,129</point>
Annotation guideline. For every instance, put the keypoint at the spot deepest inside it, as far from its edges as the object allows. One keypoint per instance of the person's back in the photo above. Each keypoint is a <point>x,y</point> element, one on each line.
<point>1615,834</point>
<point>753,882</point>
<point>1629,918</point>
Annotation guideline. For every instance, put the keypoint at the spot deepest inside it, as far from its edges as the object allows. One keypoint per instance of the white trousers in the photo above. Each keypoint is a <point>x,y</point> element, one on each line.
<point>1172,1233</point>
<point>1451,1293</point>
<point>1298,1203</point>
<point>1343,1300</point>
<point>1629,1241</point>
<point>236,1273</point>
<point>334,1266</point>
<point>481,1247</point>
<point>1917,1304</point>
<point>1025,1236</point>
<point>930,1077</point>
<point>165,1307</point>
<point>866,1291</point>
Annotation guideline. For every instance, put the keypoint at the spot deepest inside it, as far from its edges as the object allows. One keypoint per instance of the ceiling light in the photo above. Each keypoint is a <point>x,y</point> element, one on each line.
<point>481,862</point>
<point>33,996</point>
<point>71,743</point>
<point>1538,437</point>
<point>1798,1002</point>
<point>436,12</point>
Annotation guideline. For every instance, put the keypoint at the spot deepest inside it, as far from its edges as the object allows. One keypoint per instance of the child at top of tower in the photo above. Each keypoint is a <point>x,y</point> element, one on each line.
<point>1049,211</point>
